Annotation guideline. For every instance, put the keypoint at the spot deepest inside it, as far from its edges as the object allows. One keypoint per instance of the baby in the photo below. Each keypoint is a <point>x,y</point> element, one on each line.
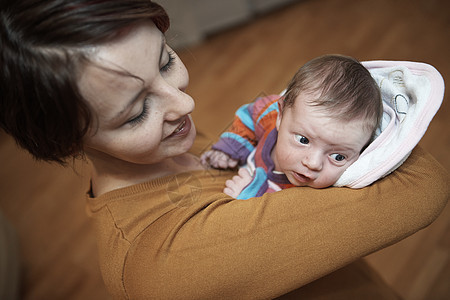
<point>307,137</point>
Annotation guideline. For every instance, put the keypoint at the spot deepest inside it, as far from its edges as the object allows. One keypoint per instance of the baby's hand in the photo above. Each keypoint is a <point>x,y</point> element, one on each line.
<point>234,186</point>
<point>218,159</point>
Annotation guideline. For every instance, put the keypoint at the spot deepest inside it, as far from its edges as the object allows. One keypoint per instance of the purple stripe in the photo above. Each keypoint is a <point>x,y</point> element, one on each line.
<point>263,189</point>
<point>269,143</point>
<point>233,148</point>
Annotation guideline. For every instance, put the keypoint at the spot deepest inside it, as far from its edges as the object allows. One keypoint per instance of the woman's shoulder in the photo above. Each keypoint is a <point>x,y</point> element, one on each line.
<point>160,194</point>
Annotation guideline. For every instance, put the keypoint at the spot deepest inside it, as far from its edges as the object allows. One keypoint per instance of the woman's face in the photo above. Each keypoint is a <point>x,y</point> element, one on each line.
<point>143,118</point>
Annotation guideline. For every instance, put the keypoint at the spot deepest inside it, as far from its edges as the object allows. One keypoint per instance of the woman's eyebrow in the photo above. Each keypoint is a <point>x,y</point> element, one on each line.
<point>141,91</point>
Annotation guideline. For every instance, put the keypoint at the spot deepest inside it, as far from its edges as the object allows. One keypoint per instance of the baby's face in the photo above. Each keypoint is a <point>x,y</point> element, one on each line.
<point>313,149</point>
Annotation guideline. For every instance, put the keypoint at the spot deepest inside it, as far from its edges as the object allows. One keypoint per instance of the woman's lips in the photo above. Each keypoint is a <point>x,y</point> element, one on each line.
<point>183,129</point>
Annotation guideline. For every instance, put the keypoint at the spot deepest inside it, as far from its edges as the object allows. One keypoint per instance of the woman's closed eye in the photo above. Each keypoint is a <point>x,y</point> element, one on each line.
<point>142,115</point>
<point>170,61</point>
<point>171,57</point>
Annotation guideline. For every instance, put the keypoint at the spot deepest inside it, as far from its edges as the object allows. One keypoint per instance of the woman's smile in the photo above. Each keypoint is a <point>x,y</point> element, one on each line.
<point>156,103</point>
<point>182,129</point>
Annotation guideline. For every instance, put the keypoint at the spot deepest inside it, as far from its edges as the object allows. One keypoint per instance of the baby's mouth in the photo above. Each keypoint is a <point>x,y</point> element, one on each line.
<point>302,178</point>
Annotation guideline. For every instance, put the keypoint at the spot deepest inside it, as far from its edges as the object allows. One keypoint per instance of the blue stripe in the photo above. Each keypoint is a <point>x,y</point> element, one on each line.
<point>239,139</point>
<point>272,107</point>
<point>251,190</point>
<point>245,117</point>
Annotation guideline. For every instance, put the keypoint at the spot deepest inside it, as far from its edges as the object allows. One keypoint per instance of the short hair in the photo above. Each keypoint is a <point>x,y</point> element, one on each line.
<point>43,49</point>
<point>342,86</point>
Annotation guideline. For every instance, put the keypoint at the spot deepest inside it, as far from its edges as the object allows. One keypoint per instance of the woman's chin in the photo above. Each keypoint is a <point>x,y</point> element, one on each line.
<point>190,139</point>
<point>186,144</point>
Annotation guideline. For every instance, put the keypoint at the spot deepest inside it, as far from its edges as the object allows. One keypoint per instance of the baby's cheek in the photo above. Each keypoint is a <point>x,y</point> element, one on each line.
<point>330,177</point>
<point>338,174</point>
<point>290,156</point>
<point>289,162</point>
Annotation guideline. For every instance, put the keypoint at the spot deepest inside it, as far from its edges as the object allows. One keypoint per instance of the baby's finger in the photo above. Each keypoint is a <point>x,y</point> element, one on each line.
<point>229,192</point>
<point>204,158</point>
<point>232,163</point>
<point>222,160</point>
<point>215,158</point>
<point>233,183</point>
<point>230,183</point>
<point>243,173</point>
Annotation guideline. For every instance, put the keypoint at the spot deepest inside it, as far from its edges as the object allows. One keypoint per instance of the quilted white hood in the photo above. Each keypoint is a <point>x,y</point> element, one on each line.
<point>412,93</point>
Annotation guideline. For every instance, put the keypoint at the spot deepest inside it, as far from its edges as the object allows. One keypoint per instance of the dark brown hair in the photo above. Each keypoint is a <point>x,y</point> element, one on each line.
<point>342,86</point>
<point>43,48</point>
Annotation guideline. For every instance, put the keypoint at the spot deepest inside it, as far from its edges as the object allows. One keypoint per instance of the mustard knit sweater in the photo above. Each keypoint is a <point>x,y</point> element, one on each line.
<point>179,237</point>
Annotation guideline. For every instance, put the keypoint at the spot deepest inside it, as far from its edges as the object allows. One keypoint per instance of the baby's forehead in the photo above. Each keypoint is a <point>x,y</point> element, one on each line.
<point>315,123</point>
<point>313,104</point>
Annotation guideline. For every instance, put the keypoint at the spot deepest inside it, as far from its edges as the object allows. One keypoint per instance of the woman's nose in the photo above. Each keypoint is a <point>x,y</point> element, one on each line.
<point>173,92</point>
<point>178,104</point>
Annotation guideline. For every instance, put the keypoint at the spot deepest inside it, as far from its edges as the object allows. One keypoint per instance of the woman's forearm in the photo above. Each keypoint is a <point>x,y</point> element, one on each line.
<point>264,247</point>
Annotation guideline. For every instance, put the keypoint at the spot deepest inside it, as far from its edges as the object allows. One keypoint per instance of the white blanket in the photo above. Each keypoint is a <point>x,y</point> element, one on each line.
<point>412,94</point>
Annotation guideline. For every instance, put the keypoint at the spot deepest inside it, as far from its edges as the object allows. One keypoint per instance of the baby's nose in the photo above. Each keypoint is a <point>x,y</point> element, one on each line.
<point>313,161</point>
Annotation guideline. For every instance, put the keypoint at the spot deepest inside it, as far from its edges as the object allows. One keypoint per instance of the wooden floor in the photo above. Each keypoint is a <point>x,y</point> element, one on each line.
<point>45,202</point>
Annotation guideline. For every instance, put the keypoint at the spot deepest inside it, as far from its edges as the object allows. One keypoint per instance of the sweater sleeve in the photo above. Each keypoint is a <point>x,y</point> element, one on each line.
<point>265,247</point>
<point>257,187</point>
<point>241,138</point>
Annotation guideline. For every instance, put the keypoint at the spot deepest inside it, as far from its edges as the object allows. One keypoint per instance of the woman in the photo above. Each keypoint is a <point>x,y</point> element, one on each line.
<point>96,79</point>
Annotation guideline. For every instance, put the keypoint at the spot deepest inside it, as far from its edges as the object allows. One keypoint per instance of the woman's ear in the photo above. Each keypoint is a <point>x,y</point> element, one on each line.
<point>280,112</point>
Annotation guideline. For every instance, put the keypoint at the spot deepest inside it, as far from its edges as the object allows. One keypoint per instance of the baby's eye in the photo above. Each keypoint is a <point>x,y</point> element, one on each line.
<point>337,157</point>
<point>301,139</point>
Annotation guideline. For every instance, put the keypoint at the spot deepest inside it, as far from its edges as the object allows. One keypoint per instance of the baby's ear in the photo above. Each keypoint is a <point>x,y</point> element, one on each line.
<point>280,112</point>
